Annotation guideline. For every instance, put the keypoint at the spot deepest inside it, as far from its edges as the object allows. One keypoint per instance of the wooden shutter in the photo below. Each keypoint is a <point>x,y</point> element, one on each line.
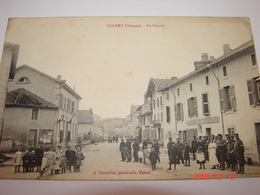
<point>181,108</point>
<point>221,100</point>
<point>195,106</point>
<point>232,97</point>
<point>189,110</point>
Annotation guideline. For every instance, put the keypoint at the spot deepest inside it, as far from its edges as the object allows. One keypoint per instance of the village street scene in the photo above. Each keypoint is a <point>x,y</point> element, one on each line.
<point>202,125</point>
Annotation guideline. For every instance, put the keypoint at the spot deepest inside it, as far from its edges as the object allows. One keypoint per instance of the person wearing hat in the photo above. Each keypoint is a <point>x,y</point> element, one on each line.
<point>169,147</point>
<point>221,151</point>
<point>135,150</point>
<point>128,150</point>
<point>239,154</point>
<point>121,149</point>
<point>193,147</point>
<point>179,147</point>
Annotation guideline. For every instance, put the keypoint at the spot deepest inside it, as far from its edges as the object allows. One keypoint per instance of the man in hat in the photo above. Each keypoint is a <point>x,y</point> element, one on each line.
<point>179,147</point>
<point>193,147</point>
<point>128,150</point>
<point>135,149</point>
<point>221,151</point>
<point>239,153</point>
<point>121,149</point>
<point>169,147</point>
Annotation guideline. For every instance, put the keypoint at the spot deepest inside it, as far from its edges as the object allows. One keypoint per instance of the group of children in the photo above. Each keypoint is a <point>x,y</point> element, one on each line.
<point>28,160</point>
<point>57,161</point>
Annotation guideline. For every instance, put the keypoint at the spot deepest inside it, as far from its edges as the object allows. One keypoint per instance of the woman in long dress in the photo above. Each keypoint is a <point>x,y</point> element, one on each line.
<point>18,162</point>
<point>213,161</point>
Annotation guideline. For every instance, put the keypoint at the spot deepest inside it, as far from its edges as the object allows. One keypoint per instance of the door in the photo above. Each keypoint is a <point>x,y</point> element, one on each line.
<point>32,139</point>
<point>257,131</point>
<point>208,133</point>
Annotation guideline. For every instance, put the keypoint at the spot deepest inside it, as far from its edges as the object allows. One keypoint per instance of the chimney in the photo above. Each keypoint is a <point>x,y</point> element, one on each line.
<point>59,77</point>
<point>204,57</point>
<point>226,49</point>
<point>204,61</point>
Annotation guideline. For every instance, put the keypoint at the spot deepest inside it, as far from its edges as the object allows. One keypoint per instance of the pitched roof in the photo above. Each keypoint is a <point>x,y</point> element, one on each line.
<point>85,117</point>
<point>24,98</point>
<point>52,78</point>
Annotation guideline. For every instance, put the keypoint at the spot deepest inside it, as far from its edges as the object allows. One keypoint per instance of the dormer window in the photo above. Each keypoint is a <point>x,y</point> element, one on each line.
<point>24,80</point>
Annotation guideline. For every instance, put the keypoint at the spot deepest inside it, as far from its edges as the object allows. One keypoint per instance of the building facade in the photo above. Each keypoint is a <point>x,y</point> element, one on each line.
<point>57,92</point>
<point>7,72</point>
<point>220,97</point>
<point>89,126</point>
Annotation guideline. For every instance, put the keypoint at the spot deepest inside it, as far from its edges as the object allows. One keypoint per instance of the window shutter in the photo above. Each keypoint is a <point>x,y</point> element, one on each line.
<point>232,97</point>
<point>182,117</point>
<point>189,113</point>
<point>195,106</point>
<point>251,92</point>
<point>221,100</point>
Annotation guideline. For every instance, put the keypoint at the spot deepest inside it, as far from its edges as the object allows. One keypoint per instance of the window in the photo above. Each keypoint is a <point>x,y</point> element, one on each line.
<point>154,103</point>
<point>253,87</point>
<point>161,102</point>
<point>205,104</point>
<point>72,106</point>
<point>68,105</point>
<point>192,107</point>
<point>65,103</point>
<point>253,59</point>
<point>224,71</point>
<point>179,112</point>
<point>158,116</point>
<point>157,102</point>
<point>161,116</point>
<point>167,96</point>
<point>227,99</point>
<point>190,86</point>
<point>24,80</point>
<point>35,113</point>
<point>168,114</point>
<point>178,91</point>
<point>45,136</point>
<point>154,117</point>
<point>61,136</point>
<point>207,80</point>
<point>61,101</point>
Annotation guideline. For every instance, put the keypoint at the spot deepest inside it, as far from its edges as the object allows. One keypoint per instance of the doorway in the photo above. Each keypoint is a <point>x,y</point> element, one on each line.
<point>32,139</point>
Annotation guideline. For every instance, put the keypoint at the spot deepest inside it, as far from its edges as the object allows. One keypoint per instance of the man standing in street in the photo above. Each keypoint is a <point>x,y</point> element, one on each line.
<point>239,154</point>
<point>136,149</point>
<point>169,148</point>
<point>221,151</point>
<point>71,158</point>
<point>128,150</point>
<point>193,147</point>
<point>122,148</point>
<point>179,147</point>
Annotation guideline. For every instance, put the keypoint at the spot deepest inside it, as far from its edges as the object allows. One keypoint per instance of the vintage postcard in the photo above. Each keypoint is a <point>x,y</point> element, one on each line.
<point>129,98</point>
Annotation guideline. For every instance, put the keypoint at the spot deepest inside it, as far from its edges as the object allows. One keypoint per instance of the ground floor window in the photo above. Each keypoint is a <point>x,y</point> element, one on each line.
<point>45,136</point>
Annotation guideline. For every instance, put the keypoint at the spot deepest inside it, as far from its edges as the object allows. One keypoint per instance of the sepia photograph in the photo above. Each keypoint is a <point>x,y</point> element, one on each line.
<point>143,98</point>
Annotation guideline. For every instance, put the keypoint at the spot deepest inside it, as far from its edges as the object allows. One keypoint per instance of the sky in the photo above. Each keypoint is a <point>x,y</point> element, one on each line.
<point>110,66</point>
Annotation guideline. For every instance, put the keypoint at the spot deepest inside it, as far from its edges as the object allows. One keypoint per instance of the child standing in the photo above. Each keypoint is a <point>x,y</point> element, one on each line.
<point>140,155</point>
<point>63,163</point>
<point>26,159</point>
<point>201,158</point>
<point>18,160</point>
<point>32,161</point>
<point>153,159</point>
<point>145,154</point>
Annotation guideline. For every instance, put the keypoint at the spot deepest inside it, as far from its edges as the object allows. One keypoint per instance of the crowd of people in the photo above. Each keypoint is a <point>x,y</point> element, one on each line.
<point>220,153</point>
<point>57,161</point>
